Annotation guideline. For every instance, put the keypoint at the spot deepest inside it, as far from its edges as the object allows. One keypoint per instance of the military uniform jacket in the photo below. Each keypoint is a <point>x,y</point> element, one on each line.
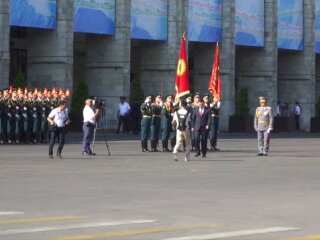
<point>263,119</point>
<point>146,110</point>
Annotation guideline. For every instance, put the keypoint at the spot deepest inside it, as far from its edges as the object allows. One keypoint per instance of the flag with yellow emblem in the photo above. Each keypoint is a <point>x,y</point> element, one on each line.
<point>182,78</point>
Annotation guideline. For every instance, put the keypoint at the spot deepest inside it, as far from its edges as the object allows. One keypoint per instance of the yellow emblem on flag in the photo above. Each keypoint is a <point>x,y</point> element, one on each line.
<point>182,67</point>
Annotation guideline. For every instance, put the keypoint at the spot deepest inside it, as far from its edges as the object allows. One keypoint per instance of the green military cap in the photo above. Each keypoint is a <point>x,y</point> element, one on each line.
<point>196,94</point>
<point>148,96</point>
<point>169,96</point>
<point>157,95</point>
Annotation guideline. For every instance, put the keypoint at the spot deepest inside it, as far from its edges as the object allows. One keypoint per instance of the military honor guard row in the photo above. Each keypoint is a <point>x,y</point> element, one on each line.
<point>24,112</point>
<point>199,115</point>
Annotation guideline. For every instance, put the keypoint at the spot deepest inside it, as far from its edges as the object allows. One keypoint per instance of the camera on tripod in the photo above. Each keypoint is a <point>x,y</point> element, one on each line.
<point>99,103</point>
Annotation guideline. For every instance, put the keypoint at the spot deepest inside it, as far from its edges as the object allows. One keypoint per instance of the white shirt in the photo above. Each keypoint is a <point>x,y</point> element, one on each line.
<point>88,115</point>
<point>297,110</point>
<point>182,112</point>
<point>59,117</point>
<point>123,108</point>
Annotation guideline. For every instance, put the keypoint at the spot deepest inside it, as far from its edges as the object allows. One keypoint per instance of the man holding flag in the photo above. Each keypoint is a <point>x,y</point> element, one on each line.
<point>215,89</point>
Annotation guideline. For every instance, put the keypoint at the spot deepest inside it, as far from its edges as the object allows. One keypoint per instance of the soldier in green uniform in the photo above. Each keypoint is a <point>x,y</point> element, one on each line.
<point>4,116</point>
<point>206,100</point>
<point>31,116</point>
<point>21,118</point>
<point>146,111</point>
<point>39,112</point>
<point>167,116</point>
<point>47,109</point>
<point>156,122</point>
<point>1,109</point>
<point>213,134</point>
<point>263,124</point>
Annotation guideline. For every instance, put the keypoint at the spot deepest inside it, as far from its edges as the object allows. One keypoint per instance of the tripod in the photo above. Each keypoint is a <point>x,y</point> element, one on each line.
<point>99,123</point>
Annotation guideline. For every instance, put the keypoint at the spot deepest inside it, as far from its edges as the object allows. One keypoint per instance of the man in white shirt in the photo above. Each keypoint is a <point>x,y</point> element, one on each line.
<point>89,123</point>
<point>58,119</point>
<point>181,121</point>
<point>123,115</point>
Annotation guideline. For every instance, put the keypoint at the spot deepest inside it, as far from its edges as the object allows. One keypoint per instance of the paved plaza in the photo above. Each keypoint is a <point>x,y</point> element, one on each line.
<point>132,195</point>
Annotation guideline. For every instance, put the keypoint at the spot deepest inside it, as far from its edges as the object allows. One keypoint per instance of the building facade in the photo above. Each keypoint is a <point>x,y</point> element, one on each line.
<point>60,57</point>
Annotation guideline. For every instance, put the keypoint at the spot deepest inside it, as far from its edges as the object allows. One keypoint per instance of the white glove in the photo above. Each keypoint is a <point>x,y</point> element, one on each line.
<point>269,130</point>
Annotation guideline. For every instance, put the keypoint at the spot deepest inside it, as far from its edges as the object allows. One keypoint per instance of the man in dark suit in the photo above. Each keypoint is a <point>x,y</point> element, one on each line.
<point>200,126</point>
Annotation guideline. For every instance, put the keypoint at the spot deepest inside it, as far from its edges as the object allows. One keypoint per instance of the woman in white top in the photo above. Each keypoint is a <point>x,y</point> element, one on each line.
<point>58,119</point>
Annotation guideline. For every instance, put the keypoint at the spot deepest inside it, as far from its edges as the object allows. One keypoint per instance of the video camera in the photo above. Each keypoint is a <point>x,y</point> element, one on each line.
<point>98,102</point>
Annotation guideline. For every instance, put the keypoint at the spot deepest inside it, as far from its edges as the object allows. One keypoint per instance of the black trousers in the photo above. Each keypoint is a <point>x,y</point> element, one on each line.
<point>201,136</point>
<point>123,121</point>
<point>297,120</point>
<point>58,133</point>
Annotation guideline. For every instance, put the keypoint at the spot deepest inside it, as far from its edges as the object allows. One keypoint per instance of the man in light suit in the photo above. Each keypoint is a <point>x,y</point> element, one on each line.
<point>201,121</point>
<point>263,124</point>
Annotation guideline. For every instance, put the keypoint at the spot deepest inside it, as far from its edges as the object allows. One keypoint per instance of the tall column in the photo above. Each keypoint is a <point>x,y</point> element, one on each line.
<point>297,71</point>
<point>159,59</point>
<point>50,52</point>
<point>256,68</point>
<point>227,62</point>
<point>4,44</point>
<point>108,62</point>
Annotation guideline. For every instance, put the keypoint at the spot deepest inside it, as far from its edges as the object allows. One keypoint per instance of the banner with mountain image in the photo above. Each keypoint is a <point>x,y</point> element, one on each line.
<point>149,19</point>
<point>204,20</point>
<point>33,13</point>
<point>250,23</point>
<point>290,24</point>
<point>94,16</point>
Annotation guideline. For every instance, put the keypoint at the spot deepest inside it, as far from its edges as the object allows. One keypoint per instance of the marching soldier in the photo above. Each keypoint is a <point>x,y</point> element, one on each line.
<point>167,116</point>
<point>156,122</point>
<point>215,112</point>
<point>146,111</point>
<point>263,124</point>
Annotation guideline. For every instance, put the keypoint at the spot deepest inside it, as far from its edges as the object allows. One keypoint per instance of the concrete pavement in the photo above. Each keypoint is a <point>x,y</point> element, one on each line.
<point>133,195</point>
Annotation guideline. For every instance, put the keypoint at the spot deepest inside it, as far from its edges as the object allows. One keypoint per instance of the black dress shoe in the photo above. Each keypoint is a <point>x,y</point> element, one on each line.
<point>197,155</point>
<point>204,156</point>
<point>59,155</point>
<point>260,154</point>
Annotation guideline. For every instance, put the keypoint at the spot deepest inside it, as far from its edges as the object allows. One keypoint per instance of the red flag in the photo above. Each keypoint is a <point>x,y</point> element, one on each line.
<point>215,83</point>
<point>182,77</point>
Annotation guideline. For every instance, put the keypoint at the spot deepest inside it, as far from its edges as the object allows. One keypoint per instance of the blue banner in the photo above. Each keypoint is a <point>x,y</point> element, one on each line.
<point>290,24</point>
<point>94,16</point>
<point>204,20</point>
<point>149,19</point>
<point>33,13</point>
<point>317,26</point>
<point>250,22</point>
